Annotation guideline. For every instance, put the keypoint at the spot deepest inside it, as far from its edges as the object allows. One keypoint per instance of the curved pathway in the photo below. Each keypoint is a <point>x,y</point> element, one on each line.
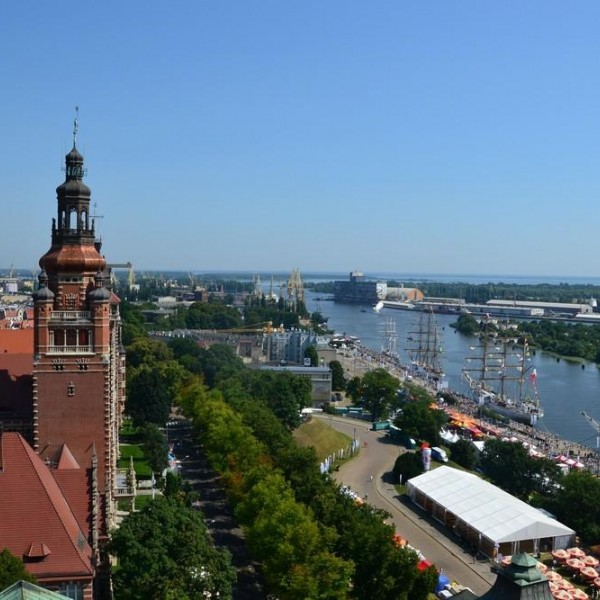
<point>369,474</point>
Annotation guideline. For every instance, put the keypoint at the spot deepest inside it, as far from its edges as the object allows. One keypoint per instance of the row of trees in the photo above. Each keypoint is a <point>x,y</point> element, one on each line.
<point>264,468</point>
<point>312,541</point>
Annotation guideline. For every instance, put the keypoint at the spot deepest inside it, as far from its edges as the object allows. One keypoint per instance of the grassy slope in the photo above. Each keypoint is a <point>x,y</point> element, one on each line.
<point>323,438</point>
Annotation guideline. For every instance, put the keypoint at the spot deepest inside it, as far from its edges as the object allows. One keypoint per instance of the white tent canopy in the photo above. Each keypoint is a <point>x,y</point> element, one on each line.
<point>484,508</point>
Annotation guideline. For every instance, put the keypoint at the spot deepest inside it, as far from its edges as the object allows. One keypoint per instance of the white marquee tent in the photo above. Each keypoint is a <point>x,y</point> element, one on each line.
<point>484,515</point>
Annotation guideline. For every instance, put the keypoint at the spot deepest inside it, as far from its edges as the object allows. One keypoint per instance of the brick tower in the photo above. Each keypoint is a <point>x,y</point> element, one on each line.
<point>79,364</point>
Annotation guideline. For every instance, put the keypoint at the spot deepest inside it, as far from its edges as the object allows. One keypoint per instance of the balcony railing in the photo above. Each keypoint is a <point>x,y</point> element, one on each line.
<point>70,315</point>
<point>70,350</point>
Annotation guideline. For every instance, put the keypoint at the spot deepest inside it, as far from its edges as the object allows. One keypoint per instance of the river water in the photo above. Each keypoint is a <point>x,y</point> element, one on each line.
<point>565,388</point>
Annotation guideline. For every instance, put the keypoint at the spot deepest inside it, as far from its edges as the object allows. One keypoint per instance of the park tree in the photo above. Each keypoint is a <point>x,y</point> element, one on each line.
<point>421,422</point>
<point>577,504</point>
<point>147,351</point>
<point>284,393</point>
<point>353,389</point>
<point>133,322</point>
<point>510,467</point>
<point>311,354</point>
<point>464,453</point>
<point>12,570</point>
<point>379,392</point>
<point>155,447</point>
<point>285,536</point>
<point>165,552</point>
<point>407,466</point>
<point>338,380</point>
<point>218,362</point>
<point>148,396</point>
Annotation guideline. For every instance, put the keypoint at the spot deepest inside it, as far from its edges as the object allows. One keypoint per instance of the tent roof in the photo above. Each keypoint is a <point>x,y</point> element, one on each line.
<point>494,513</point>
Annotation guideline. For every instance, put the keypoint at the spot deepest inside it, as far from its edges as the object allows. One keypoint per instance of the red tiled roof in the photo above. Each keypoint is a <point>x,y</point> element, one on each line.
<point>75,486</point>
<point>16,398</point>
<point>16,341</point>
<point>35,512</point>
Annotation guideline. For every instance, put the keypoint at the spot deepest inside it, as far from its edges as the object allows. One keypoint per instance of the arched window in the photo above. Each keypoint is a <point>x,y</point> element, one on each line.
<point>71,337</point>
<point>59,337</point>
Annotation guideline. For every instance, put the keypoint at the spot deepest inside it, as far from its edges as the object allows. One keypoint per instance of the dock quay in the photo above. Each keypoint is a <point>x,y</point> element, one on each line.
<point>360,359</point>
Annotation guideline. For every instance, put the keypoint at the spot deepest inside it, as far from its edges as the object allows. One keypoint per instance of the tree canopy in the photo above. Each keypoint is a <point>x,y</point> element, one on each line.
<point>421,422</point>
<point>12,570</point>
<point>378,392</point>
<point>165,552</point>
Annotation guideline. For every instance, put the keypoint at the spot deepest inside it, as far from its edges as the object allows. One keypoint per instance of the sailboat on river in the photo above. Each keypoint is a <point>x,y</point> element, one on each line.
<point>500,374</point>
<point>425,350</point>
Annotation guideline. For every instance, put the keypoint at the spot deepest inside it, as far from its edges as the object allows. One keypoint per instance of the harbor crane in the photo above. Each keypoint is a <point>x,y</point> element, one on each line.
<point>595,425</point>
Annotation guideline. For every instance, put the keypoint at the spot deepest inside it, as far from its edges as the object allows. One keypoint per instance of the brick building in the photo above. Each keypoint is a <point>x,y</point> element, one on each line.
<point>73,395</point>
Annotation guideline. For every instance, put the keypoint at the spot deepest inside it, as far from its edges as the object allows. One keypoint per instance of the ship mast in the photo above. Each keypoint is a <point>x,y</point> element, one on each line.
<point>502,359</point>
<point>426,353</point>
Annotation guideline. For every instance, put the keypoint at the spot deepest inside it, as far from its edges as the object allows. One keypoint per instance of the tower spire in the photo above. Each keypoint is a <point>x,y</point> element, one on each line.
<point>75,126</point>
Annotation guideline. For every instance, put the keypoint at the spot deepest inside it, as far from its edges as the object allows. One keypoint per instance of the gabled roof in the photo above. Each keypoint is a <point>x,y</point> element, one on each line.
<point>66,459</point>
<point>36,517</point>
<point>23,590</point>
<point>493,512</point>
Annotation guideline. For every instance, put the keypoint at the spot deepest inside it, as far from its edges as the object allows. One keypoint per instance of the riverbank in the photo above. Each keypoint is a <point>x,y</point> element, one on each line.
<point>358,361</point>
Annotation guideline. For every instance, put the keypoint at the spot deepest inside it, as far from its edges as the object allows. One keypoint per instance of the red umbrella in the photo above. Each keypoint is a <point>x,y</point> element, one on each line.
<point>579,594</point>
<point>575,564</point>
<point>591,561</point>
<point>562,595</point>
<point>597,582</point>
<point>560,555</point>
<point>588,572</point>
<point>566,585</point>
<point>553,576</point>
<point>576,552</point>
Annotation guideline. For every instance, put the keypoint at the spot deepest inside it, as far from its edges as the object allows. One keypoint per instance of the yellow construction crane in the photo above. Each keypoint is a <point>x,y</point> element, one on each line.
<point>264,327</point>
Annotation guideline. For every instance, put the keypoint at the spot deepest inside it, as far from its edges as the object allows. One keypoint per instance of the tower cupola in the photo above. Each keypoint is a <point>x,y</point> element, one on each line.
<point>73,235</point>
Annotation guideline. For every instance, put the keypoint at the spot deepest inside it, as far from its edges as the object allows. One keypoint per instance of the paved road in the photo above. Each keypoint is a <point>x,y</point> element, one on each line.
<point>376,458</point>
<point>217,513</point>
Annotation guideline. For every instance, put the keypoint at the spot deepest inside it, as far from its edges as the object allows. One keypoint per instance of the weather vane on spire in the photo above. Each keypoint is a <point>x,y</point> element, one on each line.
<point>75,125</point>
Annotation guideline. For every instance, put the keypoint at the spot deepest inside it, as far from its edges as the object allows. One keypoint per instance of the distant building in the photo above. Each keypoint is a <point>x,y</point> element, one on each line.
<point>289,346</point>
<point>404,294</point>
<point>359,290</point>
<point>320,378</point>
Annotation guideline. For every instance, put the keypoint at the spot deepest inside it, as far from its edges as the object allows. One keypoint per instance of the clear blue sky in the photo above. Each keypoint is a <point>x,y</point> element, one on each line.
<point>439,136</point>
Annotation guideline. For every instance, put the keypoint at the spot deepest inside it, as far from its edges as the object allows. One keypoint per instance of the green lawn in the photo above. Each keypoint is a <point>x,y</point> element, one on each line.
<point>142,468</point>
<point>321,437</point>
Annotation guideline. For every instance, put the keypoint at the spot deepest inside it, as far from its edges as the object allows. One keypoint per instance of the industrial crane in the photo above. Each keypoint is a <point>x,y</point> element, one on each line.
<point>595,425</point>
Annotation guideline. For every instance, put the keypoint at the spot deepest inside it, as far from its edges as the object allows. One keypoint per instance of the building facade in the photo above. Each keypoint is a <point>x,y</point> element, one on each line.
<point>359,290</point>
<point>78,360</point>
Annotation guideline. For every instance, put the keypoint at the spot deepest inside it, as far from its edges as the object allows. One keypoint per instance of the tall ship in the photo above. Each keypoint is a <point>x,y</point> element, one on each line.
<point>425,349</point>
<point>500,374</point>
